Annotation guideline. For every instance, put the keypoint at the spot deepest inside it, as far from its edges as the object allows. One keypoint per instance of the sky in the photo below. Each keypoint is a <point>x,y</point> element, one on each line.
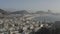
<point>31,5</point>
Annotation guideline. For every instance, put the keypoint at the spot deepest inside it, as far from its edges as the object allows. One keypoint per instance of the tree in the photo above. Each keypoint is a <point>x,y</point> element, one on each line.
<point>43,31</point>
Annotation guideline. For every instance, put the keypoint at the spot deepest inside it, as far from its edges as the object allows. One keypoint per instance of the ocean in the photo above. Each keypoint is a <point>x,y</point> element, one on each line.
<point>48,17</point>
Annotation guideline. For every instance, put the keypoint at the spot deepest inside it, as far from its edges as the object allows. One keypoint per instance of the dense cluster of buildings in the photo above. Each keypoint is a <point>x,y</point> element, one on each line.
<point>21,25</point>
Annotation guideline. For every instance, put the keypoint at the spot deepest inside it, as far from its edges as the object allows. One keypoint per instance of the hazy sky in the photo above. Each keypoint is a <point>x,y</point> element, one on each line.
<point>33,5</point>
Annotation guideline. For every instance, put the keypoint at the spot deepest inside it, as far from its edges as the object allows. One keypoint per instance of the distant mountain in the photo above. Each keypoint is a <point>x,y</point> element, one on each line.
<point>43,12</point>
<point>49,12</point>
<point>10,9</point>
<point>40,12</point>
<point>3,11</point>
<point>20,12</point>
